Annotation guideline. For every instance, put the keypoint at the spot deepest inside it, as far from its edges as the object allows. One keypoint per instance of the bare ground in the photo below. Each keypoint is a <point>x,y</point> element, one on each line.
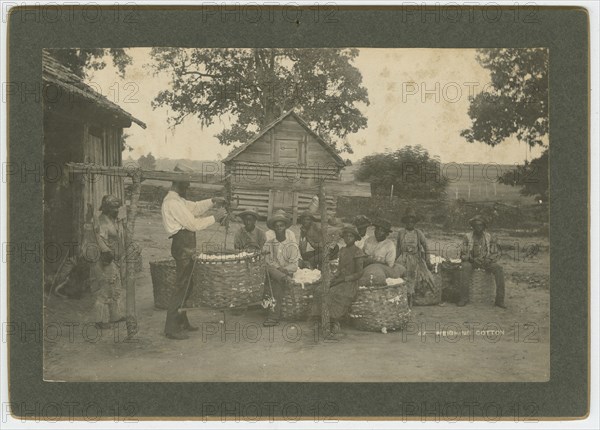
<point>444,343</point>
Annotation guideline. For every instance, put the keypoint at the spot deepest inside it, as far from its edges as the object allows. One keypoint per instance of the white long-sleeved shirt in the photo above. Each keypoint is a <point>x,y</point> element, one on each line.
<point>178,213</point>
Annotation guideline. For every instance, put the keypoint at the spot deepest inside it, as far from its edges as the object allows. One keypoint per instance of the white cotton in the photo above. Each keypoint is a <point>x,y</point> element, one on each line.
<point>307,276</point>
<point>394,281</point>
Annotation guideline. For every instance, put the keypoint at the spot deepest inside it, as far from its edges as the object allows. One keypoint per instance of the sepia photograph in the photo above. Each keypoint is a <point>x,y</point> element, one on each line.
<point>296,214</point>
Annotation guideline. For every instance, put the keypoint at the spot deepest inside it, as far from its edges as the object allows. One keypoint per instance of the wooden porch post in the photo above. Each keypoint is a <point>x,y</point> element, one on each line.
<point>325,275</point>
<point>131,319</point>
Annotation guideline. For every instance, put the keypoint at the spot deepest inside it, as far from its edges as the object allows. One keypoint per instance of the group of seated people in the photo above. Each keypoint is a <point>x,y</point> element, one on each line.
<point>359,255</point>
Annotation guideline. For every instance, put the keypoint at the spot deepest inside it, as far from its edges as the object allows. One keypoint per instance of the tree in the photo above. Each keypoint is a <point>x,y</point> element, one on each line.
<point>517,105</point>
<point>80,61</point>
<point>411,170</point>
<point>348,162</point>
<point>252,87</point>
<point>147,162</point>
<point>531,176</point>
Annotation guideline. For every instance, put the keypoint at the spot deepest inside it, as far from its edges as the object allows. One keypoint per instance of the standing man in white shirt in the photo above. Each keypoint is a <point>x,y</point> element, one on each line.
<point>182,220</point>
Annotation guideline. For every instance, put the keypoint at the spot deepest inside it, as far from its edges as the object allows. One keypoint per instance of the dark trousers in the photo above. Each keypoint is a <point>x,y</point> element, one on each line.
<point>466,272</point>
<point>183,249</point>
<point>277,285</point>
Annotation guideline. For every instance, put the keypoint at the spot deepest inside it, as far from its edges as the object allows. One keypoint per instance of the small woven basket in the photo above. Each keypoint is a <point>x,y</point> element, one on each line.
<point>297,300</point>
<point>424,296</point>
<point>381,307</point>
<point>164,275</point>
<point>230,283</point>
<point>483,288</point>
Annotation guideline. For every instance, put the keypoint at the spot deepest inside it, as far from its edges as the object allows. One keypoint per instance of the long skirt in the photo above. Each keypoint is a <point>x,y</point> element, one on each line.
<point>338,301</point>
<point>416,271</point>
<point>107,289</point>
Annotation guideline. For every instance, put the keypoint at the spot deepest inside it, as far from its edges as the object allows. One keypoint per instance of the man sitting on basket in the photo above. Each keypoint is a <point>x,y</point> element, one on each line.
<point>282,263</point>
<point>249,237</point>
<point>362,223</point>
<point>480,251</point>
<point>312,243</point>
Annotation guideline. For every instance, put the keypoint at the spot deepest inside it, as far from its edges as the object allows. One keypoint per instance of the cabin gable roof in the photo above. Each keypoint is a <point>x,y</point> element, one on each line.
<point>55,73</point>
<point>237,151</point>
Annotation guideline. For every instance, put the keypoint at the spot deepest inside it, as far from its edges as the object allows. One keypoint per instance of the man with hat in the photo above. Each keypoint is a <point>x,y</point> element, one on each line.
<point>311,242</point>
<point>379,248</point>
<point>249,237</point>
<point>181,219</point>
<point>480,251</point>
<point>106,271</point>
<point>282,261</point>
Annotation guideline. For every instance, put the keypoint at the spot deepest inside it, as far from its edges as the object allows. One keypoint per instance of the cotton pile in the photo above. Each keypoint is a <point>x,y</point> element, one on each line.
<point>307,276</point>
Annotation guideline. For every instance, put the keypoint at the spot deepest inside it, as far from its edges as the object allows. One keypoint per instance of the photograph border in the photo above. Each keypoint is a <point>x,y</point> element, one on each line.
<point>564,30</point>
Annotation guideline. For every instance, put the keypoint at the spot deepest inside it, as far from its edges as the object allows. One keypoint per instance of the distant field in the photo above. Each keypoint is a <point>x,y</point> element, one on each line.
<point>471,182</point>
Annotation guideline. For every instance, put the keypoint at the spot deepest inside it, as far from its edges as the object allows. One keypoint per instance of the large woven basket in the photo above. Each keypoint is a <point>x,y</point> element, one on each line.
<point>164,275</point>
<point>483,288</point>
<point>297,300</point>
<point>230,283</point>
<point>381,307</point>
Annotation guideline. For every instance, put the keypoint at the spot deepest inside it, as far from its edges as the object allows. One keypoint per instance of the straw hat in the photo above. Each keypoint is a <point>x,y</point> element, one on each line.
<point>279,215</point>
<point>110,201</point>
<point>385,224</point>
<point>307,214</point>
<point>252,211</point>
<point>182,168</point>
<point>410,213</point>
<point>476,219</point>
<point>350,229</point>
<point>361,221</point>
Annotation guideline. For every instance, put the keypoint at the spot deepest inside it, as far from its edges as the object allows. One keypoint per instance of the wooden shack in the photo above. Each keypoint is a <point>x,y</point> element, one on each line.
<point>81,126</point>
<point>286,154</point>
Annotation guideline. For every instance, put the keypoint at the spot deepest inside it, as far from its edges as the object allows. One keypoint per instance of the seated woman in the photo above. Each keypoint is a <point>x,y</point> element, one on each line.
<point>344,285</point>
<point>362,223</point>
<point>282,262</point>
<point>413,253</point>
<point>381,251</point>
<point>249,237</point>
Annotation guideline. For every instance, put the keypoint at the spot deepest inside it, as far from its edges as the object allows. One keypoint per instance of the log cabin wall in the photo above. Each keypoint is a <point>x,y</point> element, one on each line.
<point>284,155</point>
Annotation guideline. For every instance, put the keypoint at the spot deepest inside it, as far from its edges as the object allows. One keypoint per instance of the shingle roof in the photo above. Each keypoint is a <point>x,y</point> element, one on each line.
<point>57,74</point>
<point>237,151</point>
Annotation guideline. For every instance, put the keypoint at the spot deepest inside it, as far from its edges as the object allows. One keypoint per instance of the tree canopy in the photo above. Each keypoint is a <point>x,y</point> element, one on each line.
<point>252,87</point>
<point>531,176</point>
<point>411,170</point>
<point>517,104</point>
<point>81,60</point>
<point>147,162</point>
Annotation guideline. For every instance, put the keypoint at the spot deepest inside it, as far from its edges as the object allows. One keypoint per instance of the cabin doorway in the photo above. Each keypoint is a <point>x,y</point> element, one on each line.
<point>286,200</point>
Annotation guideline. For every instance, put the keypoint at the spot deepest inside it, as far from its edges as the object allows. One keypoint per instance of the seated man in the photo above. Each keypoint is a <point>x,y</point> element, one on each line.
<point>312,243</point>
<point>282,262</point>
<point>249,237</point>
<point>379,248</point>
<point>480,250</point>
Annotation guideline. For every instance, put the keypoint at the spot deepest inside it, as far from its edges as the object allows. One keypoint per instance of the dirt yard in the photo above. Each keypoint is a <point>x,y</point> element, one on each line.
<point>444,343</point>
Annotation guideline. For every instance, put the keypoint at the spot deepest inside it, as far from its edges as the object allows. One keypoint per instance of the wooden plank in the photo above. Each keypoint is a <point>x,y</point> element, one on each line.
<point>270,207</point>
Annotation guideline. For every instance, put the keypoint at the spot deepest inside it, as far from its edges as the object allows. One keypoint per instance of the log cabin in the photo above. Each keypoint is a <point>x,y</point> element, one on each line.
<point>81,126</point>
<point>285,154</point>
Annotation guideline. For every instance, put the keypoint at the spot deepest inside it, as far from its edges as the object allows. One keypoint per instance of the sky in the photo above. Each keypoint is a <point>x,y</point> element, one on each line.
<point>418,96</point>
